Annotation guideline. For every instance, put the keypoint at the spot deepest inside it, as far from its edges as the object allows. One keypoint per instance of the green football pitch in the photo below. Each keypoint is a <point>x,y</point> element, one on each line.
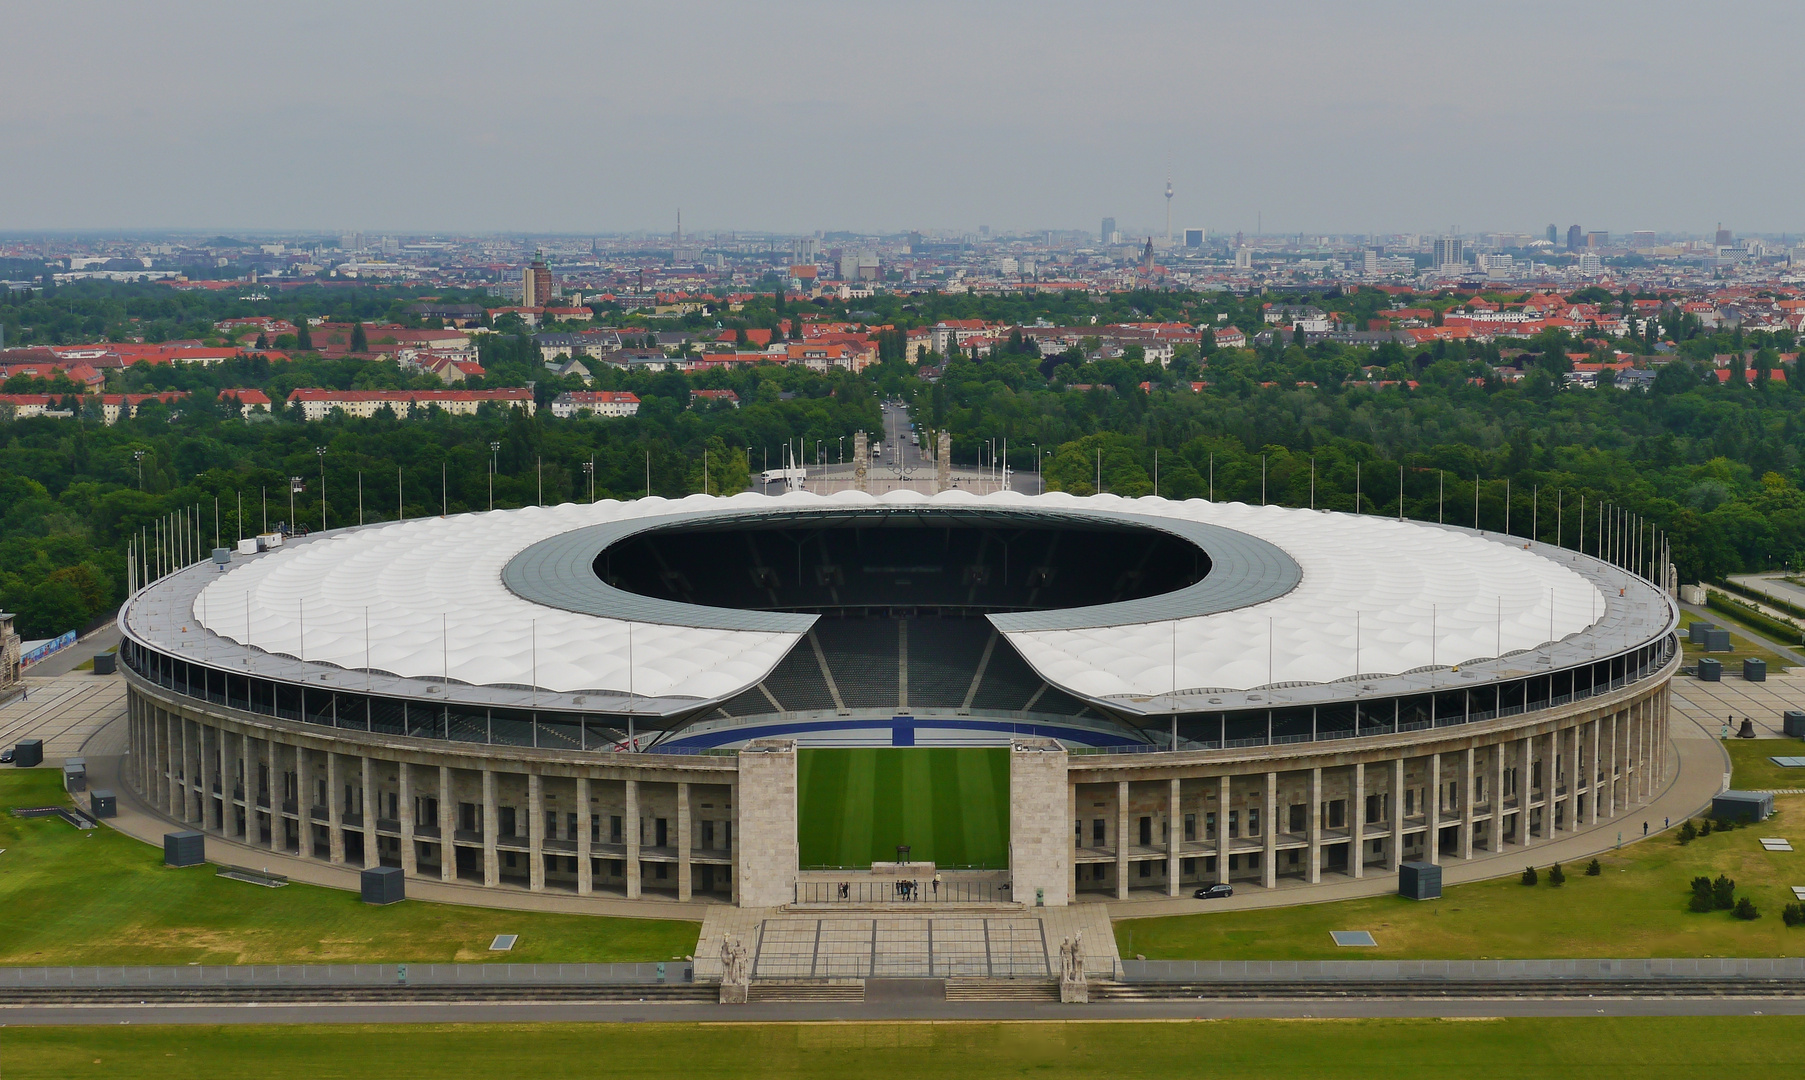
<point>950,805</point>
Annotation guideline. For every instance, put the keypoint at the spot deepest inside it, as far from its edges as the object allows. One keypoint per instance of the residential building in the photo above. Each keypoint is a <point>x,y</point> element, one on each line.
<point>536,283</point>
<point>318,403</point>
<point>596,403</point>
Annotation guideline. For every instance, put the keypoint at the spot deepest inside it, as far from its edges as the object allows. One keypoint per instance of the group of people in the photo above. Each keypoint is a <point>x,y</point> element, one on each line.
<point>903,888</point>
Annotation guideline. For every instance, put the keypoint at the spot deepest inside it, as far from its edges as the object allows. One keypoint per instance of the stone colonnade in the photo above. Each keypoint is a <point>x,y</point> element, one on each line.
<point>654,827</point>
<point>1171,822</point>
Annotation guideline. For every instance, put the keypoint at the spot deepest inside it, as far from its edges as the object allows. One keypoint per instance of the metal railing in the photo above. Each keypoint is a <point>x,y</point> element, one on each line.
<point>901,891</point>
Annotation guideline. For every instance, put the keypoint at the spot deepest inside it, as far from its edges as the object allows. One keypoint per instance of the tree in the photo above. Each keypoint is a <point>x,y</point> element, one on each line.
<point>1723,893</point>
<point>1530,877</point>
<point>1594,868</point>
<point>303,335</point>
<point>1557,876</point>
<point>1745,909</point>
<point>360,342</point>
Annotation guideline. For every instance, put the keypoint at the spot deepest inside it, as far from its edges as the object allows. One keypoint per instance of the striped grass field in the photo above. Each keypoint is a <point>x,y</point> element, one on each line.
<point>949,804</point>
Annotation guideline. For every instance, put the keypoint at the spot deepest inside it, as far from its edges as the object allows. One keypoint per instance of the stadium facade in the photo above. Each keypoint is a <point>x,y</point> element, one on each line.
<point>612,698</point>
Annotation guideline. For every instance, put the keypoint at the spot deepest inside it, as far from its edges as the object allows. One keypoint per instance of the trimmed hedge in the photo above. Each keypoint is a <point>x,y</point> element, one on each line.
<point>1784,633</point>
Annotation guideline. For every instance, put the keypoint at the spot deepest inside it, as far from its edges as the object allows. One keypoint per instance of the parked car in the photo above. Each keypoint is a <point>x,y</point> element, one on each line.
<point>6,756</point>
<point>1214,892</point>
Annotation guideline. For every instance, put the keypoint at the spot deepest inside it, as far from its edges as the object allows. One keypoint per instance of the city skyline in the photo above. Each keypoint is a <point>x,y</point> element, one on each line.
<point>1302,118</point>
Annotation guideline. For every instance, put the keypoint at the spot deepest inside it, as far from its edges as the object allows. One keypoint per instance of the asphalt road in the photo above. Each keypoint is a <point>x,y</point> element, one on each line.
<point>102,640</point>
<point>774,1012</point>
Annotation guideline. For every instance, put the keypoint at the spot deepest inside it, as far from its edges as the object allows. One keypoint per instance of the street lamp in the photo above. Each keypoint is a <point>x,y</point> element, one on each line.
<point>494,448</point>
<point>840,457</point>
<point>589,468</point>
<point>321,452</point>
<point>818,459</point>
<point>138,456</point>
<point>295,484</point>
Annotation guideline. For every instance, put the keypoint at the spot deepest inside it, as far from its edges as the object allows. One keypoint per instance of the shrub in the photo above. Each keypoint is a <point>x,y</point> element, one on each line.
<point>1556,876</point>
<point>1704,828</point>
<point>1594,868</point>
<point>1723,892</point>
<point>1793,914</point>
<point>1529,875</point>
<point>1688,832</point>
<point>1703,898</point>
<point>1745,909</point>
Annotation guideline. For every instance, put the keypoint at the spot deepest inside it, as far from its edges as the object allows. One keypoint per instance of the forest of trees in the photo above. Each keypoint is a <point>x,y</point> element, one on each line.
<point>1719,467</point>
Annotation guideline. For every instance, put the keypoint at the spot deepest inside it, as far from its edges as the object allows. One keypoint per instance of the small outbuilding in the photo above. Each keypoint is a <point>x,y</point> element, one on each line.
<point>1419,881</point>
<point>1741,805</point>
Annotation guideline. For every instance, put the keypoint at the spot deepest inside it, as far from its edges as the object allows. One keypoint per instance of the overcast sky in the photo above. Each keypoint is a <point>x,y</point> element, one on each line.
<point>792,116</point>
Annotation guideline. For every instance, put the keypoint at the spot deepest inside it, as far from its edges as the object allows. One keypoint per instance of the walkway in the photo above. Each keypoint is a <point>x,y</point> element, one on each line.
<point>1789,653</point>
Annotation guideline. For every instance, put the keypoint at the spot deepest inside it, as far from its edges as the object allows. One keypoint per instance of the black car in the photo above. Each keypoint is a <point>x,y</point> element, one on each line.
<point>1214,892</point>
<point>6,756</point>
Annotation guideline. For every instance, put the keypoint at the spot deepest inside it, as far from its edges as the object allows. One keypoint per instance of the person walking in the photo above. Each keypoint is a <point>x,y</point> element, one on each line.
<point>936,886</point>
<point>1645,828</point>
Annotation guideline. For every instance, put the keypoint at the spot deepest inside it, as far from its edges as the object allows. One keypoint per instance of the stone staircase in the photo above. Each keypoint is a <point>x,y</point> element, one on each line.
<point>853,990</point>
<point>1002,990</point>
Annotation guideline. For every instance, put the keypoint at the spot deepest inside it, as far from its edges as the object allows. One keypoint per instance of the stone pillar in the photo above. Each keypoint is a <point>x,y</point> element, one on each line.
<point>1551,786</point>
<point>1122,840</point>
<point>372,809</point>
<point>632,837</point>
<point>1612,766</point>
<point>1395,804</point>
<point>335,810</point>
<point>272,751</point>
<point>171,805</point>
<point>1495,801</point>
<point>1466,804</point>
<point>535,832</point>
<point>1174,837</point>
<point>734,844</point>
<point>585,868</point>
<point>1222,796</point>
<point>1575,775</point>
<point>247,764</point>
<point>766,804</point>
<point>305,801</point>
<point>1432,812</point>
<point>209,773</point>
<point>1075,842</point>
<point>448,853</point>
<point>491,854</point>
<point>1269,832</point>
<point>1594,770</point>
<point>1356,848</point>
<point>1646,784</point>
<point>1525,790</point>
<point>1313,827</point>
<point>943,461</point>
<point>861,460</point>
<point>404,798</point>
<point>684,884</point>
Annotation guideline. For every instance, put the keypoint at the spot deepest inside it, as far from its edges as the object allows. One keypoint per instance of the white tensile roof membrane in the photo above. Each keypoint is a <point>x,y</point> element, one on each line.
<point>432,596</point>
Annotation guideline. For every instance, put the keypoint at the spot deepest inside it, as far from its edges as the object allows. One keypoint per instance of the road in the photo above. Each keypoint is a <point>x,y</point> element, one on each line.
<point>787,1012</point>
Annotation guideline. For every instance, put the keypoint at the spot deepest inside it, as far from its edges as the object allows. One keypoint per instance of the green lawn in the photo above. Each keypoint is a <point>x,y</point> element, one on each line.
<point>1741,646</point>
<point>950,805</point>
<point>1636,908</point>
<point>1752,771</point>
<point>1644,1048</point>
<point>71,897</point>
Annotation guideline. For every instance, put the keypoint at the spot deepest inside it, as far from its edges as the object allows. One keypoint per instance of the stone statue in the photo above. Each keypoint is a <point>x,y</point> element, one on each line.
<point>1073,988</point>
<point>736,970</point>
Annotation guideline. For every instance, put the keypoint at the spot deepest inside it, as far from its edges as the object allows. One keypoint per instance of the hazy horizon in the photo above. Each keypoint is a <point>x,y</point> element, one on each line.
<point>581,119</point>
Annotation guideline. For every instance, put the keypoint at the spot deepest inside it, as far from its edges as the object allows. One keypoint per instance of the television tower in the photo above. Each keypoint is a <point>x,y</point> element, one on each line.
<point>1168,210</point>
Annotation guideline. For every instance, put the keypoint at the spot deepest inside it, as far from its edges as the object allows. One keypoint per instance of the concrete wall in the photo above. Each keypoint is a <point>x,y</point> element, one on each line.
<point>1039,847</point>
<point>768,849</point>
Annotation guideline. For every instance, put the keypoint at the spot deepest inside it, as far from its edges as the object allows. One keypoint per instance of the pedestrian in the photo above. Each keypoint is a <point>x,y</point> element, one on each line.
<point>936,886</point>
<point>1645,828</point>
<point>1666,822</point>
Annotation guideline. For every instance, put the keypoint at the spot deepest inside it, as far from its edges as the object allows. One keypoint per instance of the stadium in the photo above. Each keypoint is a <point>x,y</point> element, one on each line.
<point>777,700</point>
